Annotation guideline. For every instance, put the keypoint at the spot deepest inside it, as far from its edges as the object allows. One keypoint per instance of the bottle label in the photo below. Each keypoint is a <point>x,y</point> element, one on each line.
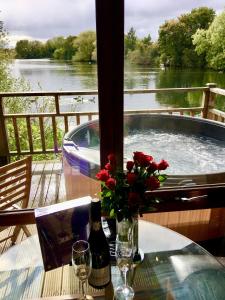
<point>96,226</point>
<point>100,277</point>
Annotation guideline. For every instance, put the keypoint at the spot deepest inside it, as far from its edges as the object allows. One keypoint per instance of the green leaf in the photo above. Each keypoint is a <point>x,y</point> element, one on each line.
<point>162,177</point>
<point>108,194</point>
<point>112,213</point>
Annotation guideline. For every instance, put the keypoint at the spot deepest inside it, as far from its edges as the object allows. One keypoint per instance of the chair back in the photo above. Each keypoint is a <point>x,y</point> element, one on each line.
<point>15,182</point>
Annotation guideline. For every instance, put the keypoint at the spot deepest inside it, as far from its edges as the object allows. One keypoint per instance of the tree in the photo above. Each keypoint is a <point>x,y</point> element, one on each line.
<point>144,53</point>
<point>7,82</point>
<point>30,49</point>
<point>171,42</point>
<point>66,49</point>
<point>211,43</point>
<point>69,49</point>
<point>147,40</point>
<point>85,46</point>
<point>52,44</point>
<point>130,40</point>
<point>175,38</point>
<point>19,104</point>
<point>22,49</point>
<point>2,36</point>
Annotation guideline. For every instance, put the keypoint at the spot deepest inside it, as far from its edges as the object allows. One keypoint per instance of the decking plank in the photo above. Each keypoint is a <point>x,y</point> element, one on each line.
<point>43,186</point>
<point>50,288</point>
<point>62,188</point>
<point>7,243</point>
<point>48,184</point>
<point>54,182</point>
<point>34,283</point>
<point>37,174</point>
<point>70,285</point>
<point>4,279</point>
<point>16,284</point>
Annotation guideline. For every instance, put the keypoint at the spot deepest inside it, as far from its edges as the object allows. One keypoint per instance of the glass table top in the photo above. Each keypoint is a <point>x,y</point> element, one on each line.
<point>174,267</point>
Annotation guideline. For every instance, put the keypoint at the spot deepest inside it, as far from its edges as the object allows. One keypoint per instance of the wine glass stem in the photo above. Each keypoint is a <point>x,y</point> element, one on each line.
<point>82,289</point>
<point>125,277</point>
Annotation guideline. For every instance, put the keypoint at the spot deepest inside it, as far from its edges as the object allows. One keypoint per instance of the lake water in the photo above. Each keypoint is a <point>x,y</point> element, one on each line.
<point>52,75</point>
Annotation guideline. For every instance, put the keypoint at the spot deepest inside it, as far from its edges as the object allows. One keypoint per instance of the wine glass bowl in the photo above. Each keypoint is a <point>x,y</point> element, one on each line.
<point>123,254</point>
<point>81,261</point>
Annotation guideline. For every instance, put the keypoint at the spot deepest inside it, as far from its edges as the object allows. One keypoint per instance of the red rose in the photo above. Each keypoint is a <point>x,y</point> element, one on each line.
<point>111,183</point>
<point>153,166</point>
<point>130,165</point>
<point>145,160</point>
<point>148,158</point>
<point>133,199</point>
<point>163,164</point>
<point>131,178</point>
<point>152,183</point>
<point>109,167</point>
<point>142,159</point>
<point>111,157</point>
<point>137,156</point>
<point>102,175</point>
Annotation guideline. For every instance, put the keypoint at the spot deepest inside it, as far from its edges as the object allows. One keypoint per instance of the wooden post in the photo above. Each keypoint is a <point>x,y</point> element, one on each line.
<point>57,109</point>
<point>110,58</point>
<point>208,100</point>
<point>4,148</point>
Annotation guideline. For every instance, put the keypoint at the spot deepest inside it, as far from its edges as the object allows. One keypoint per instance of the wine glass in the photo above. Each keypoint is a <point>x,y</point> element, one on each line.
<point>124,252</point>
<point>81,261</point>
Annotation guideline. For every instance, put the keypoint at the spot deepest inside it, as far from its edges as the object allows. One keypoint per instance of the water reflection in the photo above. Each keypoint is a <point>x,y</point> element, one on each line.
<point>62,75</point>
<point>187,78</point>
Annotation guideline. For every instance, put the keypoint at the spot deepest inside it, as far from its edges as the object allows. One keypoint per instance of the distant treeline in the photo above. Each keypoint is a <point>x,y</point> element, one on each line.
<point>195,39</point>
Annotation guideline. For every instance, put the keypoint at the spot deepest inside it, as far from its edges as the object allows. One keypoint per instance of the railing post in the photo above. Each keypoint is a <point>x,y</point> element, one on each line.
<point>57,104</point>
<point>208,100</point>
<point>4,148</point>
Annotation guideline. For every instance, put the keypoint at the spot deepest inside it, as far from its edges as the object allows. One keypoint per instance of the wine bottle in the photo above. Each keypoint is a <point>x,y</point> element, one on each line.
<point>100,272</point>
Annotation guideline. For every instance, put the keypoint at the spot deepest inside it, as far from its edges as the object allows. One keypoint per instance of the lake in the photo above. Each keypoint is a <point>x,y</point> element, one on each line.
<point>52,75</point>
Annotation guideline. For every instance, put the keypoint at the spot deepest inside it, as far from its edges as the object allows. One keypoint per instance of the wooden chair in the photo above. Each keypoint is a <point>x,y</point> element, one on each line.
<point>15,182</point>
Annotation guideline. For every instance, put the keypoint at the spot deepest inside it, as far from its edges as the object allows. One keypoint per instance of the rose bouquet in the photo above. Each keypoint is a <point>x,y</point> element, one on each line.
<point>122,193</point>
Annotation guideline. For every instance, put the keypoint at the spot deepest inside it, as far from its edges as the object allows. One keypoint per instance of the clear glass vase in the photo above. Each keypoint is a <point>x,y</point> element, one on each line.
<point>124,229</point>
<point>130,227</point>
<point>137,253</point>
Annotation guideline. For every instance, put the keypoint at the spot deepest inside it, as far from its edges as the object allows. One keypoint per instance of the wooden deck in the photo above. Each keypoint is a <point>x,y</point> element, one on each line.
<point>48,184</point>
<point>47,187</point>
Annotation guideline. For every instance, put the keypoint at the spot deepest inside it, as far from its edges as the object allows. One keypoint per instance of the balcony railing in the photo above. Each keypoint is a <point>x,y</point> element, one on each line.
<point>58,119</point>
<point>198,224</point>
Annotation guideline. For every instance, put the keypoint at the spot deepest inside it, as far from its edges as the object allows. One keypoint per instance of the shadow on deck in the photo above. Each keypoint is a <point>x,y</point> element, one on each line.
<point>48,184</point>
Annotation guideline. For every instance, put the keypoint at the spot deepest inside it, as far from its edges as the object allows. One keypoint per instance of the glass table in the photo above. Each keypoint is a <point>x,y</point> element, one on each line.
<point>174,267</point>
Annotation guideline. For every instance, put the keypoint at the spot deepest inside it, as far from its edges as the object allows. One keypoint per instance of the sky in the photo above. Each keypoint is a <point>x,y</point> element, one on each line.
<point>45,19</point>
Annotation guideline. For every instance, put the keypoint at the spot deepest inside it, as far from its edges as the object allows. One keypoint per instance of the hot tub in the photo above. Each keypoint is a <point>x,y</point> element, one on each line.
<point>180,140</point>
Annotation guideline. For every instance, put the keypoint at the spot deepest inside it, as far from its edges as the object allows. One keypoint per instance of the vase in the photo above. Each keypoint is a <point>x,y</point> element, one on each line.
<point>138,254</point>
<point>129,227</point>
<point>124,229</point>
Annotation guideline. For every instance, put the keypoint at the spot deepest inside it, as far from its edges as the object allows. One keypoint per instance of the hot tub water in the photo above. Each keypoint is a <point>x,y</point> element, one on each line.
<point>186,154</point>
<point>192,146</point>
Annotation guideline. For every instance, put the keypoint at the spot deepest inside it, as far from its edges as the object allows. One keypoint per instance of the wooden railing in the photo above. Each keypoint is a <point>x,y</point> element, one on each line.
<point>198,220</point>
<point>59,120</point>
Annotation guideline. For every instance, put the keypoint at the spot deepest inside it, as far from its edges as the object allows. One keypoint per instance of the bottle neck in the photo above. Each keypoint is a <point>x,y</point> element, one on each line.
<point>96,223</point>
